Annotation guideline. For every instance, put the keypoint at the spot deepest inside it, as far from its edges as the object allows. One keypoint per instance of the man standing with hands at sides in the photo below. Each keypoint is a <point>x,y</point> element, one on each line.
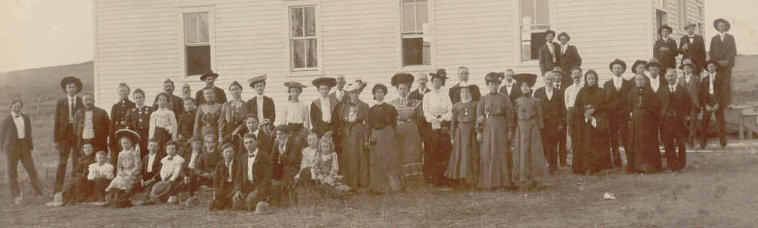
<point>65,140</point>
<point>616,90</point>
<point>118,115</point>
<point>91,125</point>
<point>665,49</point>
<point>175,103</point>
<point>569,57</point>
<point>573,113</point>
<point>549,53</point>
<point>138,120</point>
<point>692,46</point>
<point>210,80</point>
<point>553,114</point>
<point>712,97</point>
<point>261,105</point>
<point>510,88</point>
<point>339,92</point>
<point>691,83</point>
<point>723,51</point>
<point>418,93</point>
<point>455,91</point>
<point>675,106</point>
<point>437,110</point>
<point>16,142</point>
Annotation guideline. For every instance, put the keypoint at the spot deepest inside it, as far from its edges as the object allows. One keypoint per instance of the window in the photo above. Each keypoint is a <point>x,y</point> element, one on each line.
<point>700,20</point>
<point>661,19</point>
<point>303,41</point>
<point>535,20</point>
<point>197,45</point>
<point>415,19</point>
<point>683,17</point>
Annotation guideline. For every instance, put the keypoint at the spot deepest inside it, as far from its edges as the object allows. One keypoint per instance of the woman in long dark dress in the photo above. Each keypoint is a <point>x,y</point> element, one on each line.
<point>206,119</point>
<point>385,156</point>
<point>494,118</point>
<point>233,112</point>
<point>529,164</point>
<point>353,131</point>
<point>408,136</point>
<point>464,159</point>
<point>593,152</point>
<point>643,139</point>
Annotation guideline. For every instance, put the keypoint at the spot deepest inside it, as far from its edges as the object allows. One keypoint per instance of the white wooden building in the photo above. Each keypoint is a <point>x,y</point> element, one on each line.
<point>143,42</point>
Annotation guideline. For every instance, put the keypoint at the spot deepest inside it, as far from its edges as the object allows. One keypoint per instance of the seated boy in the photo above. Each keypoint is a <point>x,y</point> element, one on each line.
<point>151,166</point>
<point>224,181</point>
<point>99,176</point>
<point>169,176</point>
<point>191,157</point>
<point>253,176</point>
<point>205,170</point>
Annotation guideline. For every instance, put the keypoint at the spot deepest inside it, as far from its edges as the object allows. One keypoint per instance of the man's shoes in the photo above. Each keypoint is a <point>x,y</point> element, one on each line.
<point>57,200</point>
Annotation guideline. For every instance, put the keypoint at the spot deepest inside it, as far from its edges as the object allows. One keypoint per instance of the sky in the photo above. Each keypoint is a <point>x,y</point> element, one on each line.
<point>39,33</point>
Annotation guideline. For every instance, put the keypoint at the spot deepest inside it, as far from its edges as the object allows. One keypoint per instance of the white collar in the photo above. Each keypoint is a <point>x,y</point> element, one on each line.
<point>462,83</point>
<point>255,153</point>
<point>375,102</point>
<point>71,97</point>
<point>16,115</point>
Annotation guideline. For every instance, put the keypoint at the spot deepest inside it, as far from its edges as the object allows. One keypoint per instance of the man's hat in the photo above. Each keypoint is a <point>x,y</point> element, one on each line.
<point>441,74</point>
<point>690,25</point>
<point>617,61</point>
<point>327,81</point>
<point>637,63</point>
<point>71,79</point>
<point>558,70</point>
<point>494,77</point>
<point>209,74</point>
<point>549,31</point>
<point>666,27</point>
<point>129,134</point>
<point>720,20</point>
<point>529,79</point>
<point>402,78</point>
<point>564,34</point>
<point>235,83</point>
<point>294,84</point>
<point>257,79</point>
<point>160,190</point>
<point>262,208</point>
<point>686,62</point>
<point>653,62</point>
<point>718,66</point>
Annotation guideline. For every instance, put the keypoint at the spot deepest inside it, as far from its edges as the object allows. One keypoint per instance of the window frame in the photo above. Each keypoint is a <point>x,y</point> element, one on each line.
<point>683,12</point>
<point>552,23</point>
<point>288,53</point>
<point>211,36</point>
<point>428,36</point>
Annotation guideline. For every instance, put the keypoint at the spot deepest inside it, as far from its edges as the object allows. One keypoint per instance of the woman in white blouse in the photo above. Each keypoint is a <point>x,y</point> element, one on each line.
<point>163,124</point>
<point>296,112</point>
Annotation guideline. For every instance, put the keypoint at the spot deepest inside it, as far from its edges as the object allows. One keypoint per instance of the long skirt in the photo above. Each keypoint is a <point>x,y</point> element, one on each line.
<point>494,154</point>
<point>384,161</point>
<point>592,152</point>
<point>353,159</point>
<point>436,155</point>
<point>529,157</point>
<point>464,158</point>
<point>643,142</point>
<point>409,143</point>
<point>162,135</point>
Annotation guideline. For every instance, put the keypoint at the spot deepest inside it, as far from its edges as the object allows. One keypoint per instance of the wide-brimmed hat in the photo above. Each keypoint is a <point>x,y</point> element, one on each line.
<point>653,62</point>
<point>493,77</point>
<point>71,79</point>
<point>257,79</point>
<point>690,25</point>
<point>129,134</point>
<point>209,74</point>
<point>235,83</point>
<point>549,31</point>
<point>564,34</point>
<point>686,62</point>
<point>637,63</point>
<point>327,81</point>
<point>402,78</point>
<point>665,27</point>
<point>441,74</point>
<point>717,21</point>
<point>718,66</point>
<point>617,61</point>
<point>527,78</point>
<point>159,191</point>
<point>262,208</point>
<point>558,70</point>
<point>294,84</point>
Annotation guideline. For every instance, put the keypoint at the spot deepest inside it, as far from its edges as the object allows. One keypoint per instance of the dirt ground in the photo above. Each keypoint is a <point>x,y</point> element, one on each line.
<point>716,189</point>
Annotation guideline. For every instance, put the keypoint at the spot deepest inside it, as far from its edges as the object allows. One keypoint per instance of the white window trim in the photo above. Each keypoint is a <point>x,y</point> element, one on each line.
<point>517,61</point>
<point>319,69</point>
<point>211,36</point>
<point>431,35</point>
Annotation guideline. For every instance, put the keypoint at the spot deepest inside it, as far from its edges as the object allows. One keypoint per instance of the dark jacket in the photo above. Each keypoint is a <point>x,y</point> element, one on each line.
<point>723,50</point>
<point>187,123</point>
<point>676,104</point>
<point>262,172</point>
<point>269,110</point>
<point>286,164</point>
<point>63,129</point>
<point>553,110</point>
<point>711,99</point>
<point>569,59</point>
<point>138,119</point>
<point>119,111</point>
<point>546,58</point>
<point>693,89</point>
<point>415,94</point>
<point>100,125</point>
<point>319,126</point>
<point>615,105</point>
<point>9,133</point>
<point>206,163</point>
<point>515,92</point>
<point>221,180</point>
<point>695,50</point>
<point>220,96</point>
<point>155,175</point>
<point>666,57</point>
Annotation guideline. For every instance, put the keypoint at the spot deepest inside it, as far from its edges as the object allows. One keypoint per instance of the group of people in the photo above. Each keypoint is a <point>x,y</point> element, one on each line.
<point>507,136</point>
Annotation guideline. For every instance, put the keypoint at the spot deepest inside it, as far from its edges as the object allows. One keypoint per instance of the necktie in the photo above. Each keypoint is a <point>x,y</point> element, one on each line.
<point>260,108</point>
<point>71,106</point>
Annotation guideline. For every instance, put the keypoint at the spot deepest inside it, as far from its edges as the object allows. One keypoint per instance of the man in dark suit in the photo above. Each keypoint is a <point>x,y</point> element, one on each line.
<point>455,91</point>
<point>151,166</point>
<point>675,102</point>
<point>264,138</point>
<point>138,120</point>
<point>323,107</point>
<point>187,119</point>
<point>119,111</point>
<point>418,93</point>
<point>510,88</point>
<point>549,53</point>
<point>17,144</point>
<point>210,79</point>
<point>339,92</point>
<point>569,57</point>
<point>253,177</point>
<point>691,83</point>
<point>64,138</point>
<point>618,118</point>
<point>712,98</point>
<point>91,125</point>
<point>553,113</point>
<point>261,105</point>
<point>723,51</point>
<point>692,46</point>
<point>175,103</point>
<point>225,181</point>
<point>665,49</point>
<point>286,157</point>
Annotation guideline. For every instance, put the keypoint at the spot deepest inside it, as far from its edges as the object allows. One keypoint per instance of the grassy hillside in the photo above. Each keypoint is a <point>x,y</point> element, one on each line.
<point>745,79</point>
<point>41,85</point>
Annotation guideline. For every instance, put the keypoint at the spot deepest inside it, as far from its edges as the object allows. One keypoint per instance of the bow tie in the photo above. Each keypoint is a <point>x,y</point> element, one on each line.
<point>250,155</point>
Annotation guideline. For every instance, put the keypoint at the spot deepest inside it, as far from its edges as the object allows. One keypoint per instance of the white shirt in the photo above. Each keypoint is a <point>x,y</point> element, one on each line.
<point>171,168</point>
<point>150,160</point>
<point>692,38</point>
<point>250,163</point>
<point>462,84</point>
<point>297,113</point>
<point>89,131</point>
<point>721,35</point>
<point>563,48</point>
<point>550,47</point>
<point>193,159</point>
<point>100,171</point>
<point>326,110</point>
<point>655,83</point>
<point>617,82</point>
<point>20,127</point>
<point>229,170</point>
<point>71,110</point>
<point>570,95</point>
<point>436,103</point>
<point>509,88</point>
<point>259,99</point>
<point>163,118</point>
<point>672,88</point>
<point>549,93</point>
<point>711,88</point>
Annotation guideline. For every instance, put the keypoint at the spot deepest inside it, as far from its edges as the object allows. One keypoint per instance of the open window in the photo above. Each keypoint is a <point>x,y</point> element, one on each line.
<point>534,22</point>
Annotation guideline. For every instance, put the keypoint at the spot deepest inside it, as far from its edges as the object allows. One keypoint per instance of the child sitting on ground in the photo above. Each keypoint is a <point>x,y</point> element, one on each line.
<point>99,176</point>
<point>307,175</point>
